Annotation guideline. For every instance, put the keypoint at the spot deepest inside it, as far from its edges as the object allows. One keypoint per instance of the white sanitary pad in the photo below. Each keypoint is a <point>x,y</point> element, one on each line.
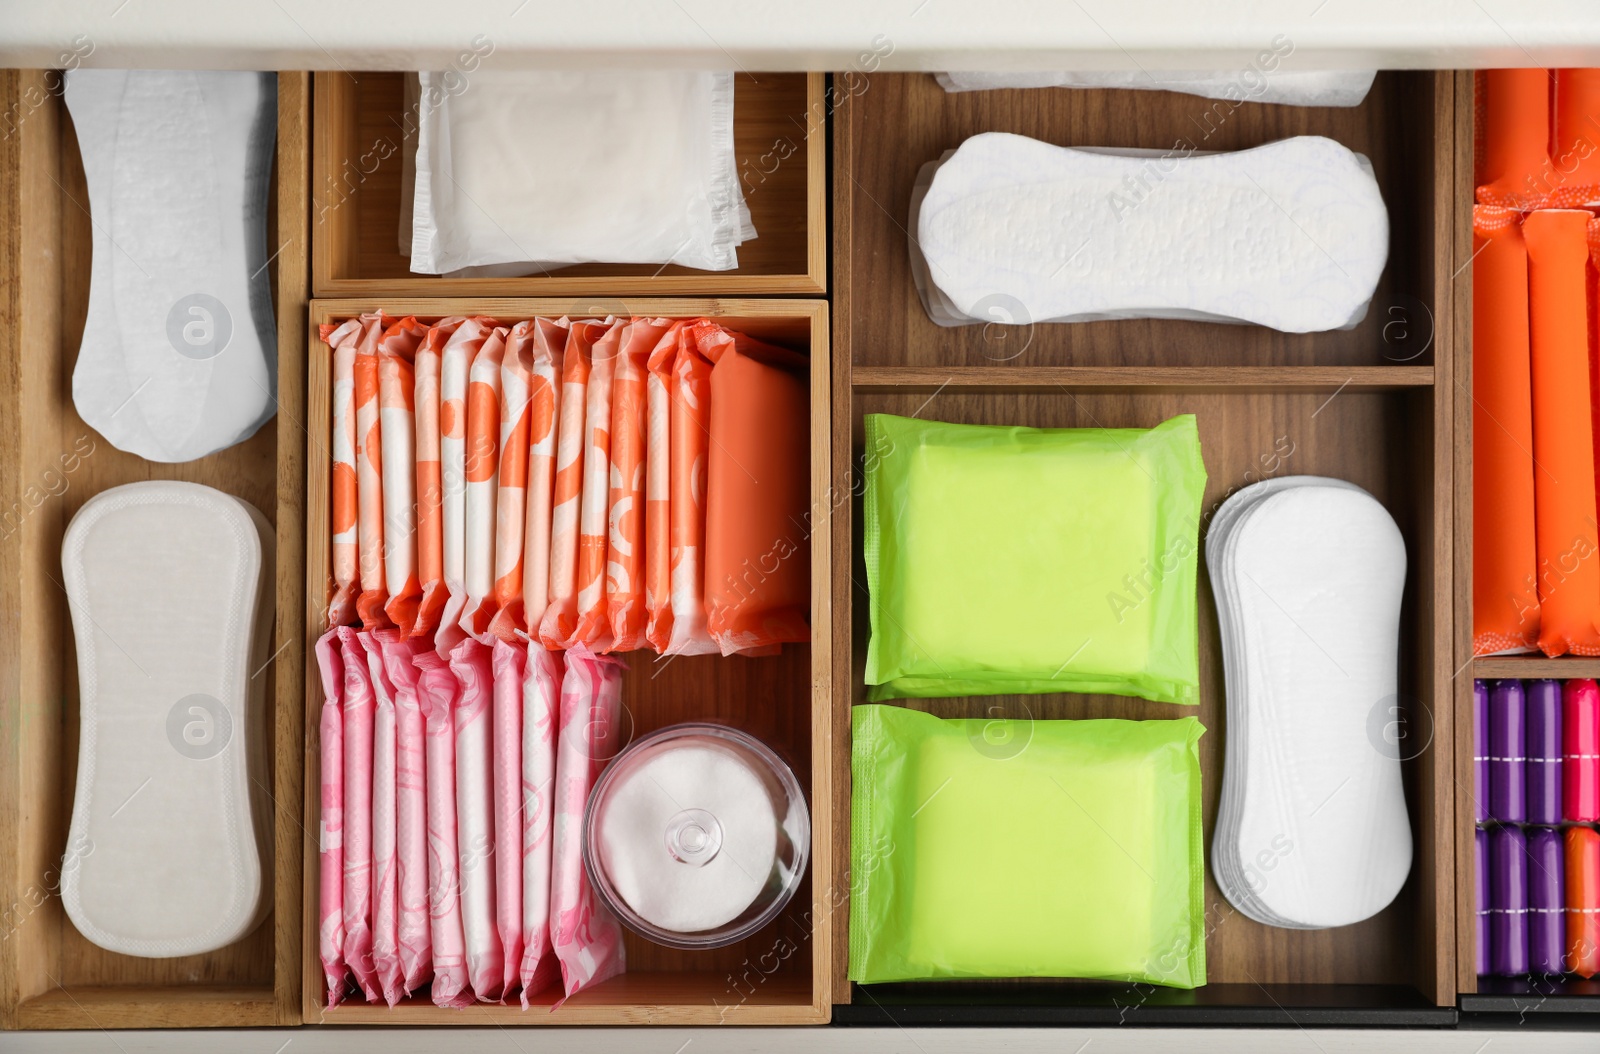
<point>1291,87</point>
<point>519,171</point>
<point>170,586</point>
<point>1292,234</point>
<point>1312,830</point>
<point>179,355</point>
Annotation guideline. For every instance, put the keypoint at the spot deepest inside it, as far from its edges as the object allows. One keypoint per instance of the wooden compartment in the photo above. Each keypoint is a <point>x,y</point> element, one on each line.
<point>778,135</point>
<point>1342,404</point>
<point>50,464</point>
<point>781,975</point>
<point>903,122</point>
<point>1507,995</point>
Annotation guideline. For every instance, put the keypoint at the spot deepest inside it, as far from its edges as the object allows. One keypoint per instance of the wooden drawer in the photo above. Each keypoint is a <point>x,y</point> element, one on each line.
<point>1374,404</point>
<point>781,975</point>
<point>50,976</point>
<point>778,121</point>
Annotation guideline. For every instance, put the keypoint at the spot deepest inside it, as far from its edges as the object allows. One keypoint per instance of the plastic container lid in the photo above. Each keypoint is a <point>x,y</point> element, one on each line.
<point>696,836</point>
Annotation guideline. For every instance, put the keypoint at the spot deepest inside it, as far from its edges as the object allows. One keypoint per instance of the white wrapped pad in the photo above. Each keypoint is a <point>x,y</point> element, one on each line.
<point>519,171</point>
<point>1290,87</point>
<point>1291,235</point>
<point>179,354</point>
<point>1312,830</point>
<point>170,586</point>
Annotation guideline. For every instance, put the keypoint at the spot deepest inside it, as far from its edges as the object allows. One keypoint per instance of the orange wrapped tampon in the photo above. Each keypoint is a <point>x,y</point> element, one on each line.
<point>561,611</point>
<point>625,589</point>
<point>593,628</point>
<point>344,501</point>
<point>691,439</point>
<point>369,475</point>
<point>511,499</point>
<point>658,490</point>
<point>1563,436</point>
<point>1577,136</point>
<point>430,488</point>
<point>482,464</point>
<point>544,407</point>
<point>1583,901</point>
<point>1515,169</point>
<point>1505,598</point>
<point>397,351</point>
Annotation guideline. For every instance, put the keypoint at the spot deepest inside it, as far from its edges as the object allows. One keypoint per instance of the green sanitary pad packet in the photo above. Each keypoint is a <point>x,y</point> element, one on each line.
<point>1004,560</point>
<point>1025,849</point>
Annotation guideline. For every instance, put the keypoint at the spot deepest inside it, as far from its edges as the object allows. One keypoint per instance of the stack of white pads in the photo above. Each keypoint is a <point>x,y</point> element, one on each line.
<point>511,172</point>
<point>1312,830</point>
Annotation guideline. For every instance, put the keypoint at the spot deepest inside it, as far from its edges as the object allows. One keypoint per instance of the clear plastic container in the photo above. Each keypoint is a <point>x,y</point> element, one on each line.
<point>696,836</point>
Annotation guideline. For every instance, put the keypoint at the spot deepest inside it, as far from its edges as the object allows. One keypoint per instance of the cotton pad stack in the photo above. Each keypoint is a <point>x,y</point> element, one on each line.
<point>1291,235</point>
<point>1312,829</point>
<point>521,171</point>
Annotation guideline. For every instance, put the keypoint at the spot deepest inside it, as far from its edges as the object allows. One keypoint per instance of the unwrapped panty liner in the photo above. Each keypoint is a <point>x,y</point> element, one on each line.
<point>179,352</point>
<point>1308,575</point>
<point>1291,235</point>
<point>169,850</point>
<point>1286,87</point>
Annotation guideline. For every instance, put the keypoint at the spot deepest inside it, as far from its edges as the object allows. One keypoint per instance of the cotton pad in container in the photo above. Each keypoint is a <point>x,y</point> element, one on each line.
<point>170,588</point>
<point>697,836</point>
<point>1292,234</point>
<point>1312,830</point>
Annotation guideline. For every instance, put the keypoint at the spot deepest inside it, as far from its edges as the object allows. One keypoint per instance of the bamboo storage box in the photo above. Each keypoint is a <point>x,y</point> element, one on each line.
<point>779,122</point>
<point>777,976</point>
<point>50,976</point>
<point>1372,405</point>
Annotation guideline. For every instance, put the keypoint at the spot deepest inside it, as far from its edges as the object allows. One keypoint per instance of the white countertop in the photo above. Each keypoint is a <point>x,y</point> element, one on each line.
<point>790,35</point>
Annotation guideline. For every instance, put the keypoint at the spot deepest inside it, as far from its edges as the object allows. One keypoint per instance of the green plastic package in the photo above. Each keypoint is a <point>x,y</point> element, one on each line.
<point>1007,560</point>
<point>1025,849</point>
